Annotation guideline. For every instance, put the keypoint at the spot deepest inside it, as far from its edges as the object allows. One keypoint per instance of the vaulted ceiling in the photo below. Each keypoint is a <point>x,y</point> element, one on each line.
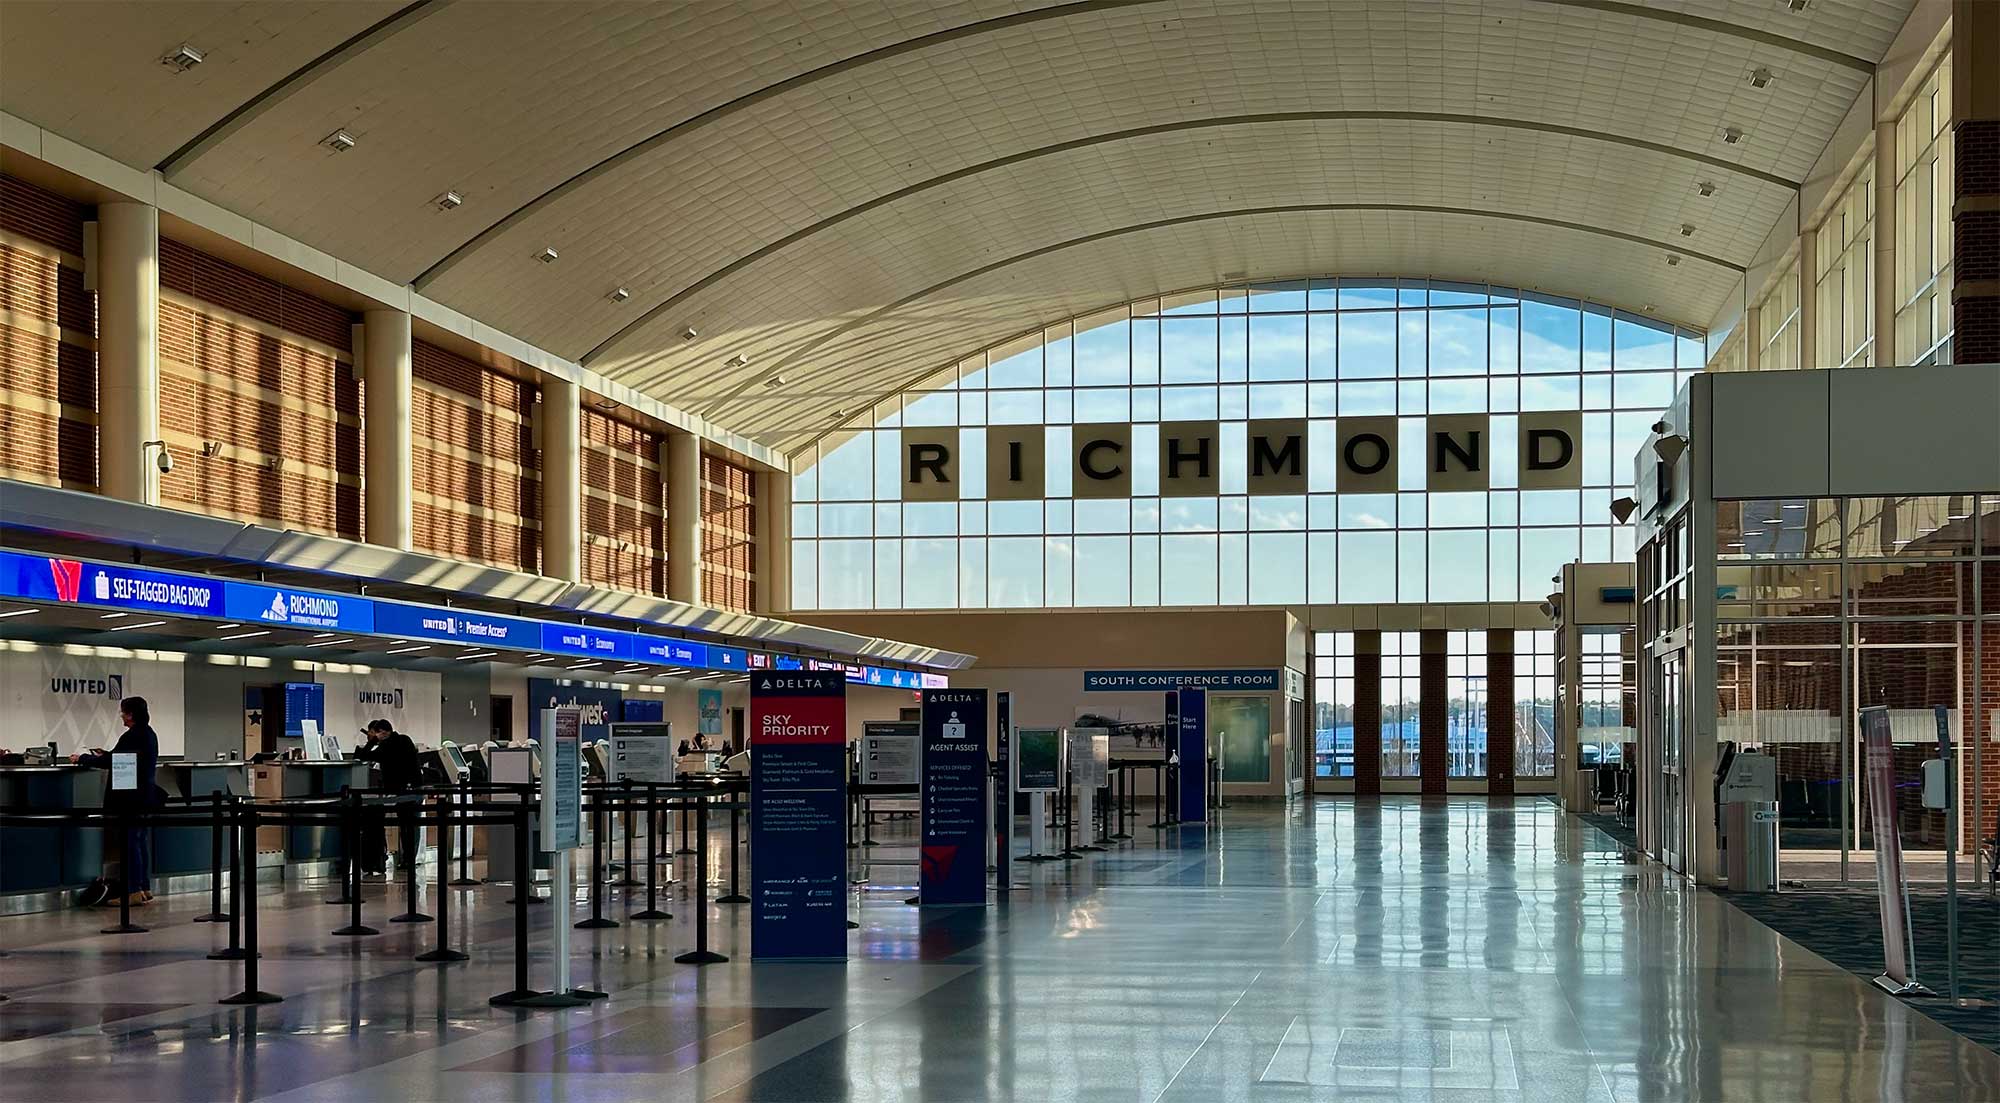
<point>852,193</point>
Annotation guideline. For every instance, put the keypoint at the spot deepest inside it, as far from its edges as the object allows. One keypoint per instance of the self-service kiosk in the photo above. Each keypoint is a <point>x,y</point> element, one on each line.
<point>1746,804</point>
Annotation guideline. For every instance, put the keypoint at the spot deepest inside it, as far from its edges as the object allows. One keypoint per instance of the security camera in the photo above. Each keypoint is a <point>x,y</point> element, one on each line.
<point>1661,427</point>
<point>165,460</point>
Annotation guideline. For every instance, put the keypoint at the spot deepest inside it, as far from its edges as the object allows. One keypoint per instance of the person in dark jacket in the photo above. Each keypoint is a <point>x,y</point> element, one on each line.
<point>400,770</point>
<point>140,741</point>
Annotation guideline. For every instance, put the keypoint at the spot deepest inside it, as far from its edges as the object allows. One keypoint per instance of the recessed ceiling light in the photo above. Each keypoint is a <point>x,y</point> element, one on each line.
<point>340,141</point>
<point>182,58</point>
<point>331,642</point>
<point>246,635</point>
<point>112,616</point>
<point>407,650</point>
<point>1673,260</point>
<point>1704,188</point>
<point>138,624</point>
<point>18,613</point>
<point>1796,6</point>
<point>547,256</point>
<point>738,361</point>
<point>1687,229</point>
<point>689,334</point>
<point>226,627</point>
<point>449,201</point>
<point>1760,77</point>
<point>619,294</point>
<point>1732,135</point>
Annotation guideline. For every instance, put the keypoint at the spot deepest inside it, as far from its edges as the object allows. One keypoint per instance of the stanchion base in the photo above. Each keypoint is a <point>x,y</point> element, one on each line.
<point>124,928</point>
<point>552,999</point>
<point>700,957</point>
<point>1091,847</point>
<point>587,994</point>
<point>212,917</point>
<point>626,883</point>
<point>914,901</point>
<point>853,926</point>
<point>443,955</point>
<point>230,955</point>
<point>1121,837</point>
<point>355,930</point>
<point>410,917</point>
<point>464,882</point>
<point>343,901</point>
<point>685,850</point>
<point>596,923</point>
<point>870,842</point>
<point>1069,855</point>
<point>651,913</point>
<point>515,997</point>
<point>252,998</point>
<point>1037,858</point>
<point>733,898</point>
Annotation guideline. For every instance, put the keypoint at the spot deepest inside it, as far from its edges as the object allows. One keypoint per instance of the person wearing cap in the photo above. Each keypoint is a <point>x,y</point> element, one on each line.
<point>400,769</point>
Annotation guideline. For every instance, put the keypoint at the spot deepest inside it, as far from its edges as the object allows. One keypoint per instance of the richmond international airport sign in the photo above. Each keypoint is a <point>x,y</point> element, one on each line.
<point>1456,455</point>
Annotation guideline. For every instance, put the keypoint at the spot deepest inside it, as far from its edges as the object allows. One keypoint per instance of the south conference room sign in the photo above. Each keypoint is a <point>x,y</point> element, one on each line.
<point>1457,455</point>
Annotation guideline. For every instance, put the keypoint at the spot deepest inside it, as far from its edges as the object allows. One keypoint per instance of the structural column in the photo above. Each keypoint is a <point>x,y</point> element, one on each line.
<point>1433,711</point>
<point>1808,299</point>
<point>681,459</point>
<point>1975,213</point>
<point>128,350</point>
<point>1885,238</point>
<point>385,428</point>
<point>774,542</point>
<point>562,486</point>
<point>1500,712</point>
<point>1753,337</point>
<point>1368,712</point>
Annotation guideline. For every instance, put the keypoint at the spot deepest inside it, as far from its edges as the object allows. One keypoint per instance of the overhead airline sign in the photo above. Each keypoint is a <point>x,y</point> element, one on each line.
<point>1457,455</point>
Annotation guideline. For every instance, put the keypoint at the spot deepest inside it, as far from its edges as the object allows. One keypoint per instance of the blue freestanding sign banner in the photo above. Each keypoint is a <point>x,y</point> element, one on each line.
<point>1194,754</point>
<point>798,814</point>
<point>954,798</point>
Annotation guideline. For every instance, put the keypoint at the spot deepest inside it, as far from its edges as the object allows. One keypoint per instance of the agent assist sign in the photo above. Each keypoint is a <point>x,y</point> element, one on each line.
<point>1456,455</point>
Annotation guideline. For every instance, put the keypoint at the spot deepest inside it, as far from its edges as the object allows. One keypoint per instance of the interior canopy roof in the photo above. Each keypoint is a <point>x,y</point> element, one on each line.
<point>808,205</point>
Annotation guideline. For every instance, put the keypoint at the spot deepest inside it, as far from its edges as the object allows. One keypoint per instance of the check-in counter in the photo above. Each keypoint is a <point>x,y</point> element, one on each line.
<point>315,842</point>
<point>188,848</point>
<point>45,857</point>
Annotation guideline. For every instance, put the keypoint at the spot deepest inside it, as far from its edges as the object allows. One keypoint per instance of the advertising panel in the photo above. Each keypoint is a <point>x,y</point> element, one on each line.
<point>889,753</point>
<point>1039,752</point>
<point>598,707</point>
<point>953,869</point>
<point>708,705</point>
<point>798,814</point>
<point>562,779</point>
<point>1879,747</point>
<point>1194,754</point>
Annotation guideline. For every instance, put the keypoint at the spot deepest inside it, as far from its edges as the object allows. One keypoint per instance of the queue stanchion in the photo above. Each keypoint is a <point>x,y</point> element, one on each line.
<point>1067,801</point>
<point>653,910</point>
<point>465,879</point>
<point>599,823</point>
<point>350,847</point>
<point>246,906</point>
<point>625,879</point>
<point>234,951</point>
<point>443,951</point>
<point>701,954</point>
<point>735,849</point>
<point>684,848</point>
<point>1160,794</point>
<point>1120,798</point>
<point>355,927</point>
<point>215,833</point>
<point>520,991</point>
<point>405,825</point>
<point>130,835</point>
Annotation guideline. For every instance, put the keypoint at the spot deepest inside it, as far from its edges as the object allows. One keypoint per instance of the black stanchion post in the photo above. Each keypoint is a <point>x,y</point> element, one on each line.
<point>464,842</point>
<point>735,848</point>
<point>215,833</point>
<point>130,835</point>
<point>701,954</point>
<point>684,848</point>
<point>350,848</point>
<point>246,906</point>
<point>234,952</point>
<point>355,927</point>
<point>443,950</point>
<point>410,847</point>
<point>599,823</point>
<point>625,879</point>
<point>1067,799</point>
<point>653,910</point>
<point>520,991</point>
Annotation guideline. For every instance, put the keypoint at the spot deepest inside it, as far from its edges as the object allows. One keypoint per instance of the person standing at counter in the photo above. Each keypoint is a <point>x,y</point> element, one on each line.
<point>140,741</point>
<point>401,770</point>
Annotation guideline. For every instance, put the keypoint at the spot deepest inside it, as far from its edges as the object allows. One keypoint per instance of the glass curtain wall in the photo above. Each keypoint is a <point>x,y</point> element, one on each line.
<point>1333,704</point>
<point>1602,680</point>
<point>1534,704</point>
<point>1924,194</point>
<point>1826,606</point>
<point>1465,692</point>
<point>1320,350</point>
<point>1778,324</point>
<point>1402,726</point>
<point>1846,311</point>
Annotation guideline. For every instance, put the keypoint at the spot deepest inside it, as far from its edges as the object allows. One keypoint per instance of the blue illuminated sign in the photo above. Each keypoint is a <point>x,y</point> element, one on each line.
<point>256,604</point>
<point>659,649</point>
<point>596,643</point>
<point>424,622</point>
<point>727,658</point>
<point>53,579</point>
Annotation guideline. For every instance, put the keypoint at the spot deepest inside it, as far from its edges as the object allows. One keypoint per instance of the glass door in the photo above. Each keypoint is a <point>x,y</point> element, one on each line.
<point>1669,810</point>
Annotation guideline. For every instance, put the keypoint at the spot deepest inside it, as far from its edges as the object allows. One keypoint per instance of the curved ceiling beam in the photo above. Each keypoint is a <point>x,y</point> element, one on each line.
<point>1719,26</point>
<point>325,63</point>
<point>832,220</point>
<point>751,99</point>
<point>1211,216</point>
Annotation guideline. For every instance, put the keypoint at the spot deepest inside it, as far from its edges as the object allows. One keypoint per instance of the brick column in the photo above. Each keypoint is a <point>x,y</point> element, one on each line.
<point>1368,713</point>
<point>1433,711</point>
<point>1975,221</point>
<point>1500,713</point>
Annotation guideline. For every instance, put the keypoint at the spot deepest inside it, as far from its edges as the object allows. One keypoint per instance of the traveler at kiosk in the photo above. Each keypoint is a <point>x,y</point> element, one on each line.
<point>401,770</point>
<point>139,740</point>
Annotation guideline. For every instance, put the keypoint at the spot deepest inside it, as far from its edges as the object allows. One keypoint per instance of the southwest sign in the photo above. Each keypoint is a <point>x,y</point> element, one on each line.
<point>1456,455</point>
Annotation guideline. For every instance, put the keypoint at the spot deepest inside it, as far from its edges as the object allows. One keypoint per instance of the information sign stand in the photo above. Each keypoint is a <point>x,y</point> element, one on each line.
<point>798,821</point>
<point>1038,772</point>
<point>954,798</point>
<point>561,832</point>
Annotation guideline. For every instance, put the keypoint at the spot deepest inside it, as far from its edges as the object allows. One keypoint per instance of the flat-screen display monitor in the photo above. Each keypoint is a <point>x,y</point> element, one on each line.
<point>303,701</point>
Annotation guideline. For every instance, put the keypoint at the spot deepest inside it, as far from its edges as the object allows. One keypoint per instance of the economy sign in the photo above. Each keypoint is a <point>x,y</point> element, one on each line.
<point>798,814</point>
<point>953,848</point>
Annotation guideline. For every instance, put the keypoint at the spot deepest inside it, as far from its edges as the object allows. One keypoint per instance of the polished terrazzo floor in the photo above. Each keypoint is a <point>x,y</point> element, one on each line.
<point>1391,950</point>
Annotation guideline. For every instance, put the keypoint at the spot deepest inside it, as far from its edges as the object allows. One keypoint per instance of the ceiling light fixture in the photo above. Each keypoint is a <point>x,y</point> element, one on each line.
<point>737,361</point>
<point>547,256</point>
<point>138,624</point>
<point>340,141</point>
<point>247,635</point>
<point>226,627</point>
<point>1704,188</point>
<point>1760,77</point>
<point>1687,229</point>
<point>1797,6</point>
<point>112,616</point>
<point>407,650</point>
<point>330,643</point>
<point>182,58</point>
<point>477,654</point>
<point>690,333</point>
<point>18,613</point>
<point>620,294</point>
<point>1673,260</point>
<point>1732,135</point>
<point>449,201</point>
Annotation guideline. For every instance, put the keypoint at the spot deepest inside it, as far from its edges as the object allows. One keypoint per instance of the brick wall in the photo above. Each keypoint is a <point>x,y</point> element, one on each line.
<point>1499,713</point>
<point>1368,712</point>
<point>1433,712</point>
<point>624,506</point>
<point>263,373</point>
<point>728,534</point>
<point>475,482</point>
<point>48,341</point>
